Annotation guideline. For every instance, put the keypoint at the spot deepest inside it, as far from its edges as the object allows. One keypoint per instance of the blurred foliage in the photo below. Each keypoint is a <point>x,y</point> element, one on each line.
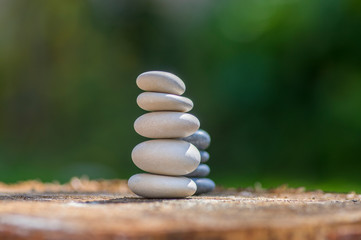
<point>277,84</point>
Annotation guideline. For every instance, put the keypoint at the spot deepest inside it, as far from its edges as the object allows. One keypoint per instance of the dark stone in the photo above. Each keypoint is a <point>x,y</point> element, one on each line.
<point>204,156</point>
<point>204,185</point>
<point>200,139</point>
<point>201,171</point>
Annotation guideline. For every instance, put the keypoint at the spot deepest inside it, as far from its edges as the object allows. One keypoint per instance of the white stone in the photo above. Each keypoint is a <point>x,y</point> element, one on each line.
<point>158,81</point>
<point>166,156</point>
<point>153,101</point>
<point>166,125</point>
<point>158,186</point>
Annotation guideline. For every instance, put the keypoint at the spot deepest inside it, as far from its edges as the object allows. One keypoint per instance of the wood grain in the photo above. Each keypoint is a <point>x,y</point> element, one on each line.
<point>83,209</point>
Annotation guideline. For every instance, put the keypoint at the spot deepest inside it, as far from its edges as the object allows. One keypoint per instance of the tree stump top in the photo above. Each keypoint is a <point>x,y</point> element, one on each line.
<point>84,209</point>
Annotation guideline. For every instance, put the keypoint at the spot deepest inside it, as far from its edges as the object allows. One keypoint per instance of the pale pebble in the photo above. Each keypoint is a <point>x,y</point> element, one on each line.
<point>166,156</point>
<point>166,125</point>
<point>204,185</point>
<point>158,81</point>
<point>200,139</point>
<point>153,101</point>
<point>158,186</point>
<point>204,156</point>
<point>201,171</point>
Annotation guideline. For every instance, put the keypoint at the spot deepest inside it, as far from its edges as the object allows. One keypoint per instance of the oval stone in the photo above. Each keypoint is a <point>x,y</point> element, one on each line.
<point>157,186</point>
<point>204,156</point>
<point>158,81</point>
<point>200,139</point>
<point>166,156</point>
<point>201,171</point>
<point>152,101</point>
<point>204,185</point>
<point>166,125</point>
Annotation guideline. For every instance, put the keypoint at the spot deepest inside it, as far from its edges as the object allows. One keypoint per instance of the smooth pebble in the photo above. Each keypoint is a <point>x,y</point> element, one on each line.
<point>158,186</point>
<point>201,171</point>
<point>200,139</point>
<point>204,185</point>
<point>204,156</point>
<point>166,125</point>
<point>158,81</point>
<point>152,101</point>
<point>166,156</point>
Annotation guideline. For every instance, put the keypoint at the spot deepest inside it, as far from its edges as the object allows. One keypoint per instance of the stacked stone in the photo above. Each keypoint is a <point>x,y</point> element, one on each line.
<point>201,140</point>
<point>167,158</point>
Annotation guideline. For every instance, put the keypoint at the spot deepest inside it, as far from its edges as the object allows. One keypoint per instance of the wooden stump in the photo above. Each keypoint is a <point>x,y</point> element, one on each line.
<point>84,209</point>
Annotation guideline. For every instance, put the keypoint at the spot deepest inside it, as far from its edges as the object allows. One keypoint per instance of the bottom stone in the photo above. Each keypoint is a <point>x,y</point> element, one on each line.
<point>204,185</point>
<point>159,186</point>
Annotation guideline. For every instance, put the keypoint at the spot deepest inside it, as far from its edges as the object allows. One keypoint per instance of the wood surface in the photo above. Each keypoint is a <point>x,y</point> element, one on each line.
<point>84,209</point>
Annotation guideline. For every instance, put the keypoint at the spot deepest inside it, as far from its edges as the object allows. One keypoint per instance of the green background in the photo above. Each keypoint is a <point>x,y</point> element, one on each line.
<point>276,83</point>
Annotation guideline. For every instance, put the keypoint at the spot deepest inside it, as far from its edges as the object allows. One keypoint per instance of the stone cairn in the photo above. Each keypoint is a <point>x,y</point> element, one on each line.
<point>171,158</point>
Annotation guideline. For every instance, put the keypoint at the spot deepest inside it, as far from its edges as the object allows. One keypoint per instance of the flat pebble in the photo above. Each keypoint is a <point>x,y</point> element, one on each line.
<point>158,81</point>
<point>201,171</point>
<point>152,101</point>
<point>204,185</point>
<point>158,186</point>
<point>200,139</point>
<point>204,156</point>
<point>166,156</point>
<point>166,125</point>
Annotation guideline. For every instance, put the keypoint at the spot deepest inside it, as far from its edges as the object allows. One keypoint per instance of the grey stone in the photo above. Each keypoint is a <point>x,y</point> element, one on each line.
<point>200,139</point>
<point>204,185</point>
<point>204,156</point>
<point>201,171</point>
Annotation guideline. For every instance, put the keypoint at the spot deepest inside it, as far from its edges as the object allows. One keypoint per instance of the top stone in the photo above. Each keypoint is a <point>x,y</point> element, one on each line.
<point>157,81</point>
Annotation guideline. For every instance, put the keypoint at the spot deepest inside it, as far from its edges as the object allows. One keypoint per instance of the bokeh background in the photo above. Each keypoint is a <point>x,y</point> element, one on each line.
<point>276,83</point>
